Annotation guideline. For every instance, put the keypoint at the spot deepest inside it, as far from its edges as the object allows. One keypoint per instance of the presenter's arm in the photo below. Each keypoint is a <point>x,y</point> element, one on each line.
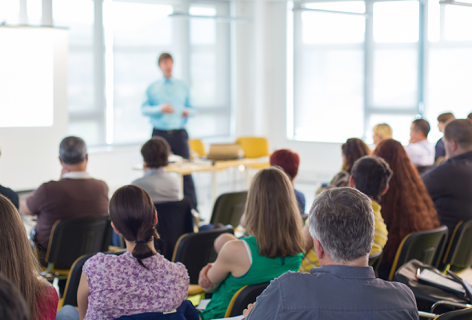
<point>189,110</point>
<point>150,110</point>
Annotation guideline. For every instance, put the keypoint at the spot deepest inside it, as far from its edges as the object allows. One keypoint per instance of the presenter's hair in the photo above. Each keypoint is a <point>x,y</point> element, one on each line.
<point>72,150</point>
<point>132,213</point>
<point>156,152</point>
<point>164,56</point>
<point>272,209</point>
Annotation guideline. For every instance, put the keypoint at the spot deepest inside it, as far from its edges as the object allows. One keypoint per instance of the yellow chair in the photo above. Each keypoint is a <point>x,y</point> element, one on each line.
<point>196,147</point>
<point>255,147</point>
<point>243,297</point>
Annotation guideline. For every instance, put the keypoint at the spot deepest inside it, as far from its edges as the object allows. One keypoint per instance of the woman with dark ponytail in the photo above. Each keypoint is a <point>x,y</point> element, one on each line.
<point>140,280</point>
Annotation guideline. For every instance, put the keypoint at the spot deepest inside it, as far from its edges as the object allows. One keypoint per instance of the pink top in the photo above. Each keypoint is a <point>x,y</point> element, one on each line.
<point>120,286</point>
<point>47,304</point>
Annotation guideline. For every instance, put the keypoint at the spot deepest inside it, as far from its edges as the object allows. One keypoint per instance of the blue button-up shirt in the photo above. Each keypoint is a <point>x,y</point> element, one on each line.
<point>172,91</point>
<point>334,292</point>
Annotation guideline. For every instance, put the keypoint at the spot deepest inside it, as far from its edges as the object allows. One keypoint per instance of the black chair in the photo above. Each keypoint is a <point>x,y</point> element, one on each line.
<point>73,238</point>
<point>243,297</point>
<point>186,311</point>
<point>196,250</point>
<point>72,284</point>
<point>229,208</point>
<point>423,169</point>
<point>421,245</point>
<point>374,261</point>
<point>173,220</point>
<point>458,255</point>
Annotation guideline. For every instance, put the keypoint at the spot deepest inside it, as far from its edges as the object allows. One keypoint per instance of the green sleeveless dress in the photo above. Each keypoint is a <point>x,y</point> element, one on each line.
<point>262,269</point>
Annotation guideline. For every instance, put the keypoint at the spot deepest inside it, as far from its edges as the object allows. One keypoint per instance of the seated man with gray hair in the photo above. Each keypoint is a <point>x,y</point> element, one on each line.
<point>341,223</point>
<point>75,195</point>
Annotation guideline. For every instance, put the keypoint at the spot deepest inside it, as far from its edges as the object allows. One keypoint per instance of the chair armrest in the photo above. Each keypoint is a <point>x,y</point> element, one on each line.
<point>449,303</point>
<point>195,220</point>
<point>427,315</point>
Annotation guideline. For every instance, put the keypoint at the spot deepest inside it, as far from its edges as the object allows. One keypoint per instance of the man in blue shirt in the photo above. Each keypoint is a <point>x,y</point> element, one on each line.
<point>168,107</point>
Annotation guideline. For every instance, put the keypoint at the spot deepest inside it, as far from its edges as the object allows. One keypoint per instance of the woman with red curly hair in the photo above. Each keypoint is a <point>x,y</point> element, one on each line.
<point>289,162</point>
<point>407,206</point>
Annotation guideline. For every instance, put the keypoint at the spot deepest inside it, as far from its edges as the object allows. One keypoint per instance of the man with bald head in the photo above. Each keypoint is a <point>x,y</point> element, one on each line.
<point>450,183</point>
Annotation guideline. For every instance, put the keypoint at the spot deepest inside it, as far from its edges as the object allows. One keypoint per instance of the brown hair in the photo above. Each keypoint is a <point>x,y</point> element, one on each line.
<point>164,56</point>
<point>132,213</point>
<point>17,260</point>
<point>156,152</point>
<point>460,131</point>
<point>272,214</point>
<point>444,117</point>
<point>353,149</point>
<point>371,175</point>
<point>422,125</point>
<point>407,206</point>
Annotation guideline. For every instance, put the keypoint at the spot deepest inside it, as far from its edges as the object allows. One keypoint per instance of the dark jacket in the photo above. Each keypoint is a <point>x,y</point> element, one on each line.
<point>450,187</point>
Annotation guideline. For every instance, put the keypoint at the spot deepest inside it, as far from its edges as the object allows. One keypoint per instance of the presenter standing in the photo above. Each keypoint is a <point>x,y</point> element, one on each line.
<point>168,107</point>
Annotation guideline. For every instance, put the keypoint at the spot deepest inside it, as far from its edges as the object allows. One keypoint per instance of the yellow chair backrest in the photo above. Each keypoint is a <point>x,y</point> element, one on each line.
<point>196,145</point>
<point>254,147</point>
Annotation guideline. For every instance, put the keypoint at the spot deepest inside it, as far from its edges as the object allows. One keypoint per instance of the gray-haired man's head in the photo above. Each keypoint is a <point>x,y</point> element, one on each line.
<point>72,150</point>
<point>343,222</point>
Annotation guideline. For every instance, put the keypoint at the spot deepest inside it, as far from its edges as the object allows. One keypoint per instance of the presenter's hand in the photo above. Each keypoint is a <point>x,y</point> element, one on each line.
<point>167,108</point>
<point>185,114</point>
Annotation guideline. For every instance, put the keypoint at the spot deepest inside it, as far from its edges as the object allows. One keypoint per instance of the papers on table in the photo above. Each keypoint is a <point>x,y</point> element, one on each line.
<point>233,318</point>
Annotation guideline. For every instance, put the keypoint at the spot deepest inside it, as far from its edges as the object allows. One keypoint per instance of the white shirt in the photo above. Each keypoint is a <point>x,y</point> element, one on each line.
<point>421,153</point>
<point>161,185</point>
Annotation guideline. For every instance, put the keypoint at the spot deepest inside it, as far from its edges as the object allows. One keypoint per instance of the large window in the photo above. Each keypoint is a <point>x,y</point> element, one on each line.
<point>388,65</point>
<point>113,58</point>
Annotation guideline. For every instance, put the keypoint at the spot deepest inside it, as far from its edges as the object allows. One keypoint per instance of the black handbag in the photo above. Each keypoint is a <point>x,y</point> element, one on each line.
<point>427,296</point>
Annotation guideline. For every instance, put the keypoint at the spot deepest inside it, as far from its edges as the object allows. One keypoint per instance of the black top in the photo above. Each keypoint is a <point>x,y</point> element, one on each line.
<point>10,194</point>
<point>440,150</point>
<point>450,187</point>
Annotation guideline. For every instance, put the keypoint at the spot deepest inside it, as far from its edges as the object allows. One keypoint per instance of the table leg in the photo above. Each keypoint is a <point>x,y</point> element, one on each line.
<point>214,186</point>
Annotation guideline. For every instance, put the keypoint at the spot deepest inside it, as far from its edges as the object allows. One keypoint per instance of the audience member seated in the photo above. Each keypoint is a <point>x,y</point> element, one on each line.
<point>140,280</point>
<point>469,116</point>
<point>161,185</point>
<point>371,176</point>
<point>10,194</point>
<point>352,150</point>
<point>12,304</point>
<point>344,287</point>
<point>450,183</point>
<point>289,162</point>
<point>18,264</point>
<point>274,245</point>
<point>382,131</point>
<point>440,152</point>
<point>75,195</point>
<point>407,206</point>
<point>420,151</point>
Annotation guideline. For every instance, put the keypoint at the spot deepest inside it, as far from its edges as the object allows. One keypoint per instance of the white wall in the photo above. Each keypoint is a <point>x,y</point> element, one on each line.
<point>30,155</point>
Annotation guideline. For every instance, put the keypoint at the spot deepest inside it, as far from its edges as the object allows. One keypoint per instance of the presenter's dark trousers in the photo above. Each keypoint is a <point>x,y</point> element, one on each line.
<point>178,141</point>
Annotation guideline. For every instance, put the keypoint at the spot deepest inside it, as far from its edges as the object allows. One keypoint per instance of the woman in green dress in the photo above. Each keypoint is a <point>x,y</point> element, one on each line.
<point>274,246</point>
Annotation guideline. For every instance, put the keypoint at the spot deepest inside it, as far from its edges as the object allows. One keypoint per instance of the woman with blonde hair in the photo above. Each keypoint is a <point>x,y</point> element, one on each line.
<point>381,131</point>
<point>275,244</point>
<point>19,265</point>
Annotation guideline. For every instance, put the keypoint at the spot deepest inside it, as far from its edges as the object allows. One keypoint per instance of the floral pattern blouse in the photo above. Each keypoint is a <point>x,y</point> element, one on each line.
<point>120,286</point>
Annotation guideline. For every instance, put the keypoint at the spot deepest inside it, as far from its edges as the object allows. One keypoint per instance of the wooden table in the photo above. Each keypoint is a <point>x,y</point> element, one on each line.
<point>186,168</point>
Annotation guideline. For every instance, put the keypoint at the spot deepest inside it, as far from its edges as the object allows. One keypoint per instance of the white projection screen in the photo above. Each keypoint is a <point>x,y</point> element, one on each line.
<point>33,104</point>
<point>26,77</point>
